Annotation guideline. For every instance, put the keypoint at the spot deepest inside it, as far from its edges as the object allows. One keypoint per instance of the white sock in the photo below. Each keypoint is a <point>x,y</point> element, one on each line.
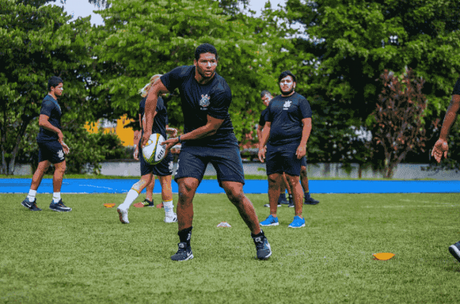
<point>130,197</point>
<point>32,194</point>
<point>169,208</point>
<point>56,197</point>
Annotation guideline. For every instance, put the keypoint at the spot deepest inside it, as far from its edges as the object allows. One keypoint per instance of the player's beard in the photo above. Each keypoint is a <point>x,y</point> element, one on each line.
<point>202,74</point>
<point>285,93</point>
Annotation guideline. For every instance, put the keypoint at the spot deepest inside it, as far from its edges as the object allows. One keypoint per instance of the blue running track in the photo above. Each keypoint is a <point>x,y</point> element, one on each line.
<point>22,185</point>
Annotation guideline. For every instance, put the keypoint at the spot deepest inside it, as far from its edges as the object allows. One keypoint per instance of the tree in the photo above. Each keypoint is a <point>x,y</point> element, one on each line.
<point>140,39</point>
<point>37,43</point>
<point>344,45</point>
<point>397,123</point>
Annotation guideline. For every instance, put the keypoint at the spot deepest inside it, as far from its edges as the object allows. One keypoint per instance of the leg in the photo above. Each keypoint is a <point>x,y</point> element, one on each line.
<point>187,189</point>
<point>235,194</point>
<point>59,170</point>
<point>150,186</point>
<point>297,193</point>
<point>274,184</point>
<point>133,193</point>
<point>166,194</point>
<point>38,175</point>
<point>304,181</point>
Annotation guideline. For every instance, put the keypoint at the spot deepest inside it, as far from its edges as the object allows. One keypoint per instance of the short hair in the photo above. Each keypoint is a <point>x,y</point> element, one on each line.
<point>205,48</point>
<point>265,92</point>
<point>54,82</point>
<point>287,73</point>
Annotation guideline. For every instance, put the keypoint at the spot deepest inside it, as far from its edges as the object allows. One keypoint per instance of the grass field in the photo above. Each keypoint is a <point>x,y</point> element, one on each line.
<point>87,256</point>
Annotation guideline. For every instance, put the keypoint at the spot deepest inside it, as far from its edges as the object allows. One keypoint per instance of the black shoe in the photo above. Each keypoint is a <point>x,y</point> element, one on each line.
<point>148,203</point>
<point>311,201</point>
<point>32,206</point>
<point>283,202</point>
<point>455,250</point>
<point>264,251</point>
<point>59,207</point>
<point>184,253</point>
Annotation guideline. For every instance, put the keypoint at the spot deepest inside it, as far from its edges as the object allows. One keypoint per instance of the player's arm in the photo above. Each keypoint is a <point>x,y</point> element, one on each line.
<point>210,128</point>
<point>171,131</point>
<point>263,140</point>
<point>43,121</point>
<point>441,146</point>
<point>150,108</point>
<point>306,130</point>
<point>137,135</point>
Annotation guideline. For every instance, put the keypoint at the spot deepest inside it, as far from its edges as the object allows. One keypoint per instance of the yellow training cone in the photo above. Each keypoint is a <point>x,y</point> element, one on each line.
<point>383,256</point>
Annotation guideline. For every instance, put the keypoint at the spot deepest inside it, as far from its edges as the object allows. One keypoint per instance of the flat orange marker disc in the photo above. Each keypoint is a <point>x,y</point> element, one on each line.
<point>383,256</point>
<point>109,205</point>
<point>139,205</point>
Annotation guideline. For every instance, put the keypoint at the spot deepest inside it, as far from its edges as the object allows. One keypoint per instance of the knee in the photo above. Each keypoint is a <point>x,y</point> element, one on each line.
<point>234,195</point>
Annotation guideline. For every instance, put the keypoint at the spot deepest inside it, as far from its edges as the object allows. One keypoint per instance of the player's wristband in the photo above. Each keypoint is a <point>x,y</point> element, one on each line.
<point>180,141</point>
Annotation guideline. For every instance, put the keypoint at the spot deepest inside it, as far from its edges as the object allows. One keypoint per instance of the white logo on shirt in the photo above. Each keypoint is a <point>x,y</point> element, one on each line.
<point>287,104</point>
<point>205,101</point>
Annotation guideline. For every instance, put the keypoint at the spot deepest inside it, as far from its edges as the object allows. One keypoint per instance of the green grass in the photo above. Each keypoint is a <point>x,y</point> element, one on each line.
<point>87,256</point>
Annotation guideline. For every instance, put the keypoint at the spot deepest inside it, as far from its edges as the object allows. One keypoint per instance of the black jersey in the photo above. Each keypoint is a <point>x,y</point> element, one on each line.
<point>50,108</point>
<point>263,117</point>
<point>285,115</point>
<point>198,101</point>
<point>456,90</point>
<point>161,119</point>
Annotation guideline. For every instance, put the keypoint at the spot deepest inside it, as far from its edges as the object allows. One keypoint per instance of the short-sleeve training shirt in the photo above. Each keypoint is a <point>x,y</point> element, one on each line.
<point>161,119</point>
<point>263,117</point>
<point>50,108</point>
<point>285,115</point>
<point>199,101</point>
<point>456,90</point>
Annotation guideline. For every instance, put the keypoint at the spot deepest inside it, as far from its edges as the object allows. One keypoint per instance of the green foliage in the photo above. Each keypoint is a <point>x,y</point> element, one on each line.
<point>141,38</point>
<point>38,43</point>
<point>346,46</point>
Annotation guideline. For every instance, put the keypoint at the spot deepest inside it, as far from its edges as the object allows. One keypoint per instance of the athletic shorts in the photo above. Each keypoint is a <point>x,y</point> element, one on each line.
<point>281,159</point>
<point>164,168</point>
<point>193,161</point>
<point>303,161</point>
<point>51,151</point>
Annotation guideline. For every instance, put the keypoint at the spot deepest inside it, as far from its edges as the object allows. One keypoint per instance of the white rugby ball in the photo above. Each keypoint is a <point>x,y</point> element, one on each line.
<point>154,152</point>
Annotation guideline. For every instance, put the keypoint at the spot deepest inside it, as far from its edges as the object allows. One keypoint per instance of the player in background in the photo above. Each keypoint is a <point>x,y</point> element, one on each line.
<point>288,127</point>
<point>266,97</point>
<point>163,170</point>
<point>52,148</point>
<point>441,147</point>
<point>208,138</point>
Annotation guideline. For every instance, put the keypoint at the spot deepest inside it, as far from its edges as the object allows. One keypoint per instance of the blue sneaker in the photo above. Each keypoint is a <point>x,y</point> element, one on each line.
<point>30,205</point>
<point>270,221</point>
<point>264,251</point>
<point>59,206</point>
<point>298,222</point>
<point>455,250</point>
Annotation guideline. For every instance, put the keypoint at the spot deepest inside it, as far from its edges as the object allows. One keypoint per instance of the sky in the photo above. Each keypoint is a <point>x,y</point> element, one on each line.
<point>82,8</point>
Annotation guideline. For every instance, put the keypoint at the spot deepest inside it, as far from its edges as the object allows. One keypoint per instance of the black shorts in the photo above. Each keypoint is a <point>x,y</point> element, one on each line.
<point>51,151</point>
<point>164,168</point>
<point>281,159</point>
<point>193,161</point>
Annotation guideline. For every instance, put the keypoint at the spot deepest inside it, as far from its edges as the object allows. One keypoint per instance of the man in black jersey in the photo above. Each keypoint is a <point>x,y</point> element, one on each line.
<point>208,138</point>
<point>52,148</point>
<point>441,147</point>
<point>288,126</point>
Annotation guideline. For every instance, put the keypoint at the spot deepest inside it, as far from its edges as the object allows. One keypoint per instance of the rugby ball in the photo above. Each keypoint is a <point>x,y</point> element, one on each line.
<point>154,152</point>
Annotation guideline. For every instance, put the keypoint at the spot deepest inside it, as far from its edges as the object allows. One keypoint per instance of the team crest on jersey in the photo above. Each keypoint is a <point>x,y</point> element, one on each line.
<point>205,101</point>
<point>287,104</point>
<point>60,154</point>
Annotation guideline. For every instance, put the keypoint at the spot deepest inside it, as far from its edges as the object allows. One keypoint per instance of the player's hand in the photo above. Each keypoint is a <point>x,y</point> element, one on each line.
<point>65,148</point>
<point>145,137</point>
<point>169,143</point>
<point>301,151</point>
<point>172,131</point>
<point>136,153</point>
<point>261,154</point>
<point>440,149</point>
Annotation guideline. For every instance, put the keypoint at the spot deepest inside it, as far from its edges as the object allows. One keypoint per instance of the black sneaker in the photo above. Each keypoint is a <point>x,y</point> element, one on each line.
<point>32,206</point>
<point>264,251</point>
<point>311,201</point>
<point>455,250</point>
<point>148,203</point>
<point>283,202</point>
<point>59,207</point>
<point>184,253</point>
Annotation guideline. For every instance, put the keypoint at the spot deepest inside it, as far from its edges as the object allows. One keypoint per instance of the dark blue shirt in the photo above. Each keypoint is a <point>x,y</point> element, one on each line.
<point>161,119</point>
<point>285,115</point>
<point>50,108</point>
<point>198,101</point>
<point>263,117</point>
<point>457,87</point>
